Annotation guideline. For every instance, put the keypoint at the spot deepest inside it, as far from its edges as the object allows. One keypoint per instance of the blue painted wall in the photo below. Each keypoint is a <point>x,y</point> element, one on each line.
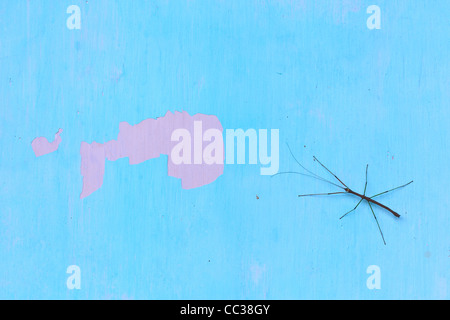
<point>337,90</point>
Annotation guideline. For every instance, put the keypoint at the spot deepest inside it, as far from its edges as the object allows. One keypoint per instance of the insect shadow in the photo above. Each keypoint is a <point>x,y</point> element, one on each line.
<point>346,190</point>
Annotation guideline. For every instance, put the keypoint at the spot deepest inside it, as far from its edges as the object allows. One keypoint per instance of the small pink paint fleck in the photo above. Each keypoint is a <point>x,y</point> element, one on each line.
<point>41,146</point>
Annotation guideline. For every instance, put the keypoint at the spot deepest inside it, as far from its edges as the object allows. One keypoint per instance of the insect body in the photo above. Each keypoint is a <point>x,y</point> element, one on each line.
<point>347,190</point>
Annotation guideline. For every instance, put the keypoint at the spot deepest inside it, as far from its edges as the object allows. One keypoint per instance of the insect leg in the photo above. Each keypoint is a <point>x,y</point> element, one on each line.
<point>402,186</point>
<point>382,236</point>
<point>352,209</point>
<point>365,188</point>
<point>330,172</point>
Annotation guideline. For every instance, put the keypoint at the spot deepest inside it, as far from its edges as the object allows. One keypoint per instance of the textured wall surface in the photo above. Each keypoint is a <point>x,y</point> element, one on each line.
<point>312,69</point>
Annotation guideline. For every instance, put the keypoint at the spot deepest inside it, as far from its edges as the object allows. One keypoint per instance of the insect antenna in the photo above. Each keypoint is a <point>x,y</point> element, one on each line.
<point>310,173</point>
<point>320,194</point>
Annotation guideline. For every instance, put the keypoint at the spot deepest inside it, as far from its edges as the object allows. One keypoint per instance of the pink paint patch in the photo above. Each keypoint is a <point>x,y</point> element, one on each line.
<point>41,146</point>
<point>147,140</point>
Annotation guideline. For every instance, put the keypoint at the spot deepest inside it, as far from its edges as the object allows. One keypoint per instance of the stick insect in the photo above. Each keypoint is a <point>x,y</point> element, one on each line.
<point>346,190</point>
